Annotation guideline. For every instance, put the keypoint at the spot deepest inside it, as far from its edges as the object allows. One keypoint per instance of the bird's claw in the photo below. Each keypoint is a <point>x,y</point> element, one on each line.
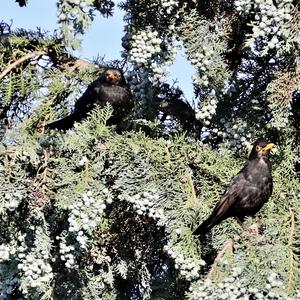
<point>253,230</point>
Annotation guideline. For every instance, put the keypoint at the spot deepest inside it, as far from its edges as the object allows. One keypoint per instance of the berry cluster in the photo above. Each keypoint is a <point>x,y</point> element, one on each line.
<point>237,136</point>
<point>34,265</point>
<point>269,20</point>
<point>144,204</point>
<point>169,6</point>
<point>243,6</point>
<point>274,281</point>
<point>66,253</point>
<point>234,287</point>
<point>189,267</point>
<point>5,252</point>
<point>207,111</point>
<point>145,45</point>
<point>25,156</point>
<point>150,55</point>
<point>12,200</point>
<point>86,214</point>
<point>10,283</point>
<point>202,60</point>
<point>8,286</point>
<point>139,80</point>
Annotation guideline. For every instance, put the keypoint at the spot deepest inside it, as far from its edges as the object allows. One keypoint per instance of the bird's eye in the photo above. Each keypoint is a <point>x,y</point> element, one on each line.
<point>258,148</point>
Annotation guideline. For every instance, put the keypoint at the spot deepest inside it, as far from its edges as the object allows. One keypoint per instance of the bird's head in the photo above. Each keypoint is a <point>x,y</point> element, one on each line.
<point>114,76</point>
<point>261,148</point>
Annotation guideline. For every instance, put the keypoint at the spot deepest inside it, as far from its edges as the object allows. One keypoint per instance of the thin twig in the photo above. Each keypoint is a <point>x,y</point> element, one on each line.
<point>228,246</point>
<point>43,167</point>
<point>86,176</point>
<point>21,60</point>
<point>46,166</point>
<point>192,188</point>
<point>291,276</point>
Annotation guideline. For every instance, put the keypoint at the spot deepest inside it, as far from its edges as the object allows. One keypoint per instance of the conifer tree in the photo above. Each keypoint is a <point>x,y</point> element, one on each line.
<point>101,213</point>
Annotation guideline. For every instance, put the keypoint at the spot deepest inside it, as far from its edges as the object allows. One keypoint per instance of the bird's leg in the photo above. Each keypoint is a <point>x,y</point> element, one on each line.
<point>240,222</point>
<point>254,228</point>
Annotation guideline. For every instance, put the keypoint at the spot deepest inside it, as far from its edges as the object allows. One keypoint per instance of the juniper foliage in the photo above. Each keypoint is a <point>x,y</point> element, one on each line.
<point>98,214</point>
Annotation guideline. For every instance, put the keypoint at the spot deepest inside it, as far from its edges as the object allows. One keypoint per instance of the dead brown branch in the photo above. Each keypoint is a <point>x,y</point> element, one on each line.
<point>292,267</point>
<point>77,64</point>
<point>228,246</point>
<point>19,61</point>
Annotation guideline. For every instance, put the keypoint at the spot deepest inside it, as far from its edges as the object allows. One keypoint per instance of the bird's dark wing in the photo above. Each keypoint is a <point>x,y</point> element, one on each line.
<point>220,213</point>
<point>223,209</point>
<point>82,106</point>
<point>99,93</point>
<point>92,95</point>
<point>121,101</point>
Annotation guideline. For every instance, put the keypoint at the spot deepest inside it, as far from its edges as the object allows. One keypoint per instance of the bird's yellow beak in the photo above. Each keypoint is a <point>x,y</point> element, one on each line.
<point>268,147</point>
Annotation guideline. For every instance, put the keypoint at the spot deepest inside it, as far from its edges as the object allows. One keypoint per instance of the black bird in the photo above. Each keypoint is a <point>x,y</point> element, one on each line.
<point>21,2</point>
<point>247,192</point>
<point>109,88</point>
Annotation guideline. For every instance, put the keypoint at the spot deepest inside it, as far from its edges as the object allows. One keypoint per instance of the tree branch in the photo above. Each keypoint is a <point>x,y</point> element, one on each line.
<point>228,246</point>
<point>292,267</point>
<point>21,60</point>
<point>76,64</point>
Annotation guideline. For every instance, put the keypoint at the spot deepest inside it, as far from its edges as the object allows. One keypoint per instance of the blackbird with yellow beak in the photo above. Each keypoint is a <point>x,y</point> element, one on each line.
<point>247,192</point>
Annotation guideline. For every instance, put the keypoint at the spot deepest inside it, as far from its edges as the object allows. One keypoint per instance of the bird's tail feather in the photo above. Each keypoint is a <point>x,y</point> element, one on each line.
<point>64,124</point>
<point>208,224</point>
<point>204,228</point>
